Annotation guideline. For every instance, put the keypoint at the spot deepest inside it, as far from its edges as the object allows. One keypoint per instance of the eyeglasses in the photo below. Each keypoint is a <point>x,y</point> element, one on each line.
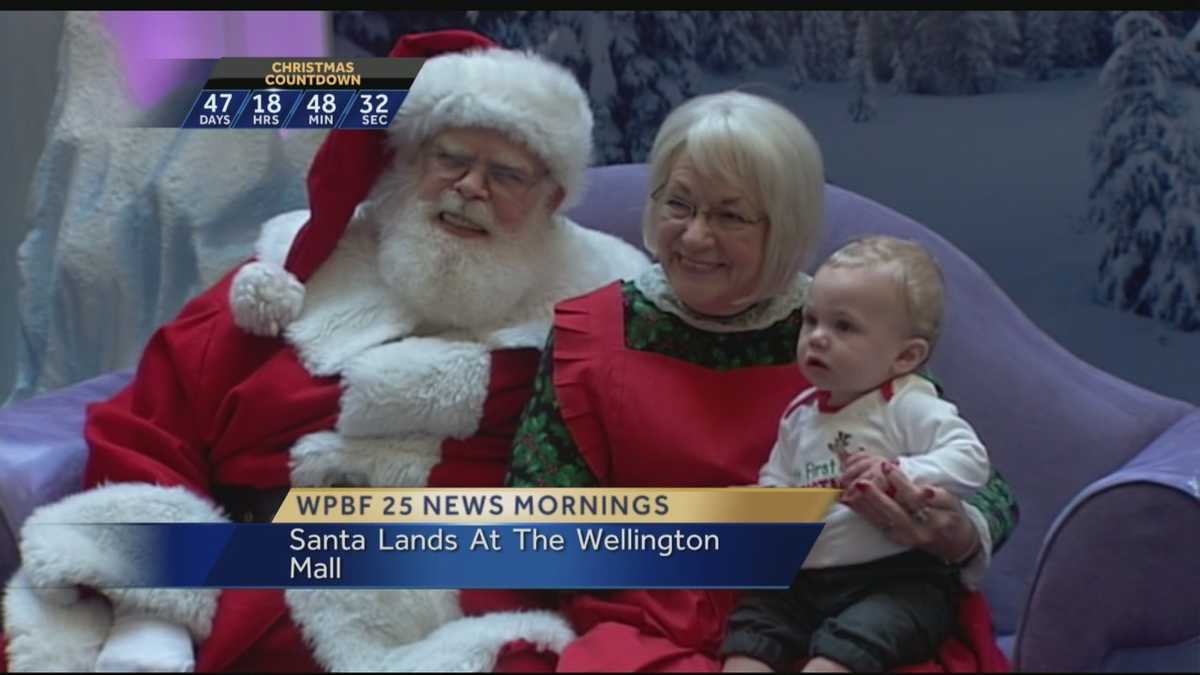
<point>677,209</point>
<point>502,179</point>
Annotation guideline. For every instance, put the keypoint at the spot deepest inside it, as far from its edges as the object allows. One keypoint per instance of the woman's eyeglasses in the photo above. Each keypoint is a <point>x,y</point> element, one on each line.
<point>678,209</point>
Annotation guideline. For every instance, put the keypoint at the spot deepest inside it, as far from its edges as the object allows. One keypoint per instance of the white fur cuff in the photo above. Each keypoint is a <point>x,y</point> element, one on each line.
<point>45,636</point>
<point>327,458</point>
<point>472,644</point>
<point>413,630</point>
<point>139,644</point>
<point>64,544</point>
<point>417,386</point>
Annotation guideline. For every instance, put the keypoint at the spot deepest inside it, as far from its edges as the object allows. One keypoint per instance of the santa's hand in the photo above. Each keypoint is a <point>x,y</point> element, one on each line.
<point>143,644</point>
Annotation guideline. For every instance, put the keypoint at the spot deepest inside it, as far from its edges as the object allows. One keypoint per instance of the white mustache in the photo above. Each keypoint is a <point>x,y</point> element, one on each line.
<point>477,212</point>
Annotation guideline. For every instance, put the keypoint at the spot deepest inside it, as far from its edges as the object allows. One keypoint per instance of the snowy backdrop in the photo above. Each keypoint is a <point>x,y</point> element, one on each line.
<point>127,221</point>
<point>1059,149</point>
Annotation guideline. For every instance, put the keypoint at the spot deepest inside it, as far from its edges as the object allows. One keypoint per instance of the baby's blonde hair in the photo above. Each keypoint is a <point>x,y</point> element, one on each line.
<point>916,273</point>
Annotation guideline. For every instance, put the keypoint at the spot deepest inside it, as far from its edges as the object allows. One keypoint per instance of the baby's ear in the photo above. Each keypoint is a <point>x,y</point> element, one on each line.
<point>911,356</point>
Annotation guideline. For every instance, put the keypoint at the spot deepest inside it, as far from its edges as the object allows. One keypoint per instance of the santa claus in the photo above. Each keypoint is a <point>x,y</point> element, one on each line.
<point>389,338</point>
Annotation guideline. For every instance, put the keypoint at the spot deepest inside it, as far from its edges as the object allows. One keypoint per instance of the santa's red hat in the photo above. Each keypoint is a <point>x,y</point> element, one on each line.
<point>467,81</point>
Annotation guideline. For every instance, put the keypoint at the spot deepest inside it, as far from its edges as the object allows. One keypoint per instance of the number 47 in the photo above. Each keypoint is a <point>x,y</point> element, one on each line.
<point>211,104</point>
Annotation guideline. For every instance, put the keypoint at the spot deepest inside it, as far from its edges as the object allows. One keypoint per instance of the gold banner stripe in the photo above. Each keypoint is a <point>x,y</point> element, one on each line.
<point>555,505</point>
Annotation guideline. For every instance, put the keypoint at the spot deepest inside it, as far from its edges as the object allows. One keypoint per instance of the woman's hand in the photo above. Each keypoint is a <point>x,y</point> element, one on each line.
<point>865,467</point>
<point>929,518</point>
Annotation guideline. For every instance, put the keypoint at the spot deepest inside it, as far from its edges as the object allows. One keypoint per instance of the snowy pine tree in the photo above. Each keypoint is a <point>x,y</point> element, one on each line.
<point>636,67</point>
<point>1173,287</point>
<point>657,79</point>
<point>1079,45</point>
<point>899,81</point>
<point>1005,36</point>
<point>775,30</point>
<point>1191,52</point>
<point>862,106</point>
<point>1136,152</point>
<point>889,40</point>
<point>729,41</point>
<point>1191,42</point>
<point>954,53</point>
<point>1039,43</point>
<point>515,30</point>
<point>798,76</point>
<point>826,42</point>
<point>369,31</point>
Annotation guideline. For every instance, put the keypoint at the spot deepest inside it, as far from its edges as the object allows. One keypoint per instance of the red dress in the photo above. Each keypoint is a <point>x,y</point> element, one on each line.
<point>646,419</point>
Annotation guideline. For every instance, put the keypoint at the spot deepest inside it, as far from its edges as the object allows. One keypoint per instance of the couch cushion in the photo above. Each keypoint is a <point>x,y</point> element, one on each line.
<point>43,453</point>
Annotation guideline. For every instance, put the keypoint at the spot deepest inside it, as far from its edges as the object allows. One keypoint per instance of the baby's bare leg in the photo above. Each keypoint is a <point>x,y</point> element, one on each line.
<point>744,664</point>
<point>820,664</point>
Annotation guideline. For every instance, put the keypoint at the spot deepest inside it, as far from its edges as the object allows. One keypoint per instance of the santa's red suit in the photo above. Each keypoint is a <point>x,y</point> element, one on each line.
<point>301,369</point>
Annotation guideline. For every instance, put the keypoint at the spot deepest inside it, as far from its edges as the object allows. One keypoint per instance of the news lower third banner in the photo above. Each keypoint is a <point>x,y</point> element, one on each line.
<point>486,538</point>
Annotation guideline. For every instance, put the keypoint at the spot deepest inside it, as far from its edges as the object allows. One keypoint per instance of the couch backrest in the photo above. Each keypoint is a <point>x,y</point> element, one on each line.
<point>1052,423</point>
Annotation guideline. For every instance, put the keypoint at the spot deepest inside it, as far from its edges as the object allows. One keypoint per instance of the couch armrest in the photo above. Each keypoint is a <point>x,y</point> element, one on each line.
<point>42,454</point>
<point>1118,567</point>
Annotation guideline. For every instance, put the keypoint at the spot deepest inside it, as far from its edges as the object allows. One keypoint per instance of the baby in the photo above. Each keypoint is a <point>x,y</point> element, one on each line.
<point>862,602</point>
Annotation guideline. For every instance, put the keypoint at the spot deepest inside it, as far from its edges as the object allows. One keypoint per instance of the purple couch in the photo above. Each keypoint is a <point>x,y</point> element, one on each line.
<point>1103,571</point>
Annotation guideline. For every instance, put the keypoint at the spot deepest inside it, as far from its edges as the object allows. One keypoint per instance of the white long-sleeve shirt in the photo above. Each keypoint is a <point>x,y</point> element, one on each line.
<point>903,420</point>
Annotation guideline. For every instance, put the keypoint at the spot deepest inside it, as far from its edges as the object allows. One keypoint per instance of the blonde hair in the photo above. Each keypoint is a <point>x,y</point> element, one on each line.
<point>917,275</point>
<point>760,148</point>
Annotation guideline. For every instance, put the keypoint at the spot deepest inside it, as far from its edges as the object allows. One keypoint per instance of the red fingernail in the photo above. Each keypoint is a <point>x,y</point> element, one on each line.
<point>891,491</point>
<point>887,467</point>
<point>861,487</point>
<point>927,493</point>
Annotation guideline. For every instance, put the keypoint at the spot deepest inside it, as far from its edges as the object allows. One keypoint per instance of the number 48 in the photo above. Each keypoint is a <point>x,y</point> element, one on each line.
<point>322,103</point>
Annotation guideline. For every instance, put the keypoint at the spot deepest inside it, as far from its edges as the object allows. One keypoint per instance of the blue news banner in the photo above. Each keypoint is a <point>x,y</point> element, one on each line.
<point>533,556</point>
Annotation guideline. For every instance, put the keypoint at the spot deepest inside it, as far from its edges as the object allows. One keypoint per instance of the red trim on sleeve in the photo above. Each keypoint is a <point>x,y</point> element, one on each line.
<point>804,399</point>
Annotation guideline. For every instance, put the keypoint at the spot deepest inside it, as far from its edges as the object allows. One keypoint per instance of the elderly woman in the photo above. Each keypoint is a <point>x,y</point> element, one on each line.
<point>678,378</point>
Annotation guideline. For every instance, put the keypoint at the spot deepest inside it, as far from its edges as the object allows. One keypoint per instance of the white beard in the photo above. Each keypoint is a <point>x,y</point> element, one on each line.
<point>446,281</point>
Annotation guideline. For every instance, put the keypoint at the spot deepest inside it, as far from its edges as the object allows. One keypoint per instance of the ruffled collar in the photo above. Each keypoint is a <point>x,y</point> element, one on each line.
<point>654,285</point>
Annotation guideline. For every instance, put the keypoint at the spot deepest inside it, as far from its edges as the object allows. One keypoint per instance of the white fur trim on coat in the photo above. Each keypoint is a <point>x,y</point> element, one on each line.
<point>277,235</point>
<point>532,100</point>
<point>327,458</point>
<point>347,306</point>
<point>419,385</point>
<point>46,636</point>
<point>63,545</point>
<point>413,630</point>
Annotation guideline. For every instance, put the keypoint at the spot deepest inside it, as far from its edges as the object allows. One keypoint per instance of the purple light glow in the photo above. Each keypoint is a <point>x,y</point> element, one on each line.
<point>147,42</point>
